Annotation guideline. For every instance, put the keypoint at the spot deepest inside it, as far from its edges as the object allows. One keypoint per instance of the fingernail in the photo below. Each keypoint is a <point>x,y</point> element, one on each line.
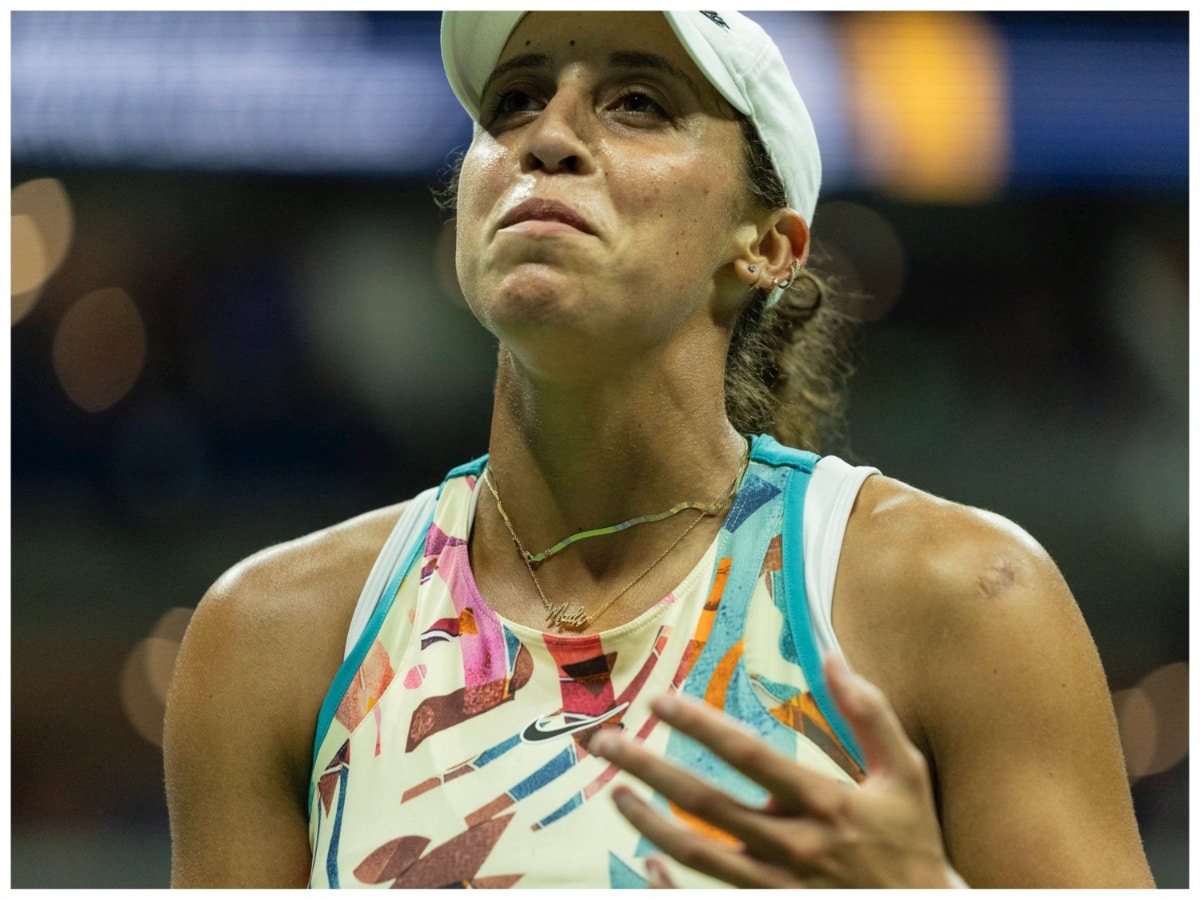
<point>849,685</point>
<point>666,704</point>
<point>602,742</point>
<point>656,873</point>
<point>837,664</point>
<point>622,797</point>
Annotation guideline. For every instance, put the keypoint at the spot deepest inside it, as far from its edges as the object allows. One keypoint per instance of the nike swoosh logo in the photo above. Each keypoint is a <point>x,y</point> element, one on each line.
<point>541,730</point>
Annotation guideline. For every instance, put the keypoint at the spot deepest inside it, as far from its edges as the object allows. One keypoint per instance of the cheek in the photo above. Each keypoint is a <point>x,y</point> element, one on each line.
<point>477,193</point>
<point>475,178</point>
<point>693,203</point>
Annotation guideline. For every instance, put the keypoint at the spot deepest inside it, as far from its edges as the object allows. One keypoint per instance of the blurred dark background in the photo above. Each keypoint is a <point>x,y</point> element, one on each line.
<point>235,321</point>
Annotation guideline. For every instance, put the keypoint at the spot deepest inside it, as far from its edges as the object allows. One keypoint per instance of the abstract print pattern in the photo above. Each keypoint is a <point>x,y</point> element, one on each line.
<point>470,767</point>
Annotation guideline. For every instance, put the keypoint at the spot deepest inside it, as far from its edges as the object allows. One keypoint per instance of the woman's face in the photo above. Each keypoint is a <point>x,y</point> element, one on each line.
<point>603,194</point>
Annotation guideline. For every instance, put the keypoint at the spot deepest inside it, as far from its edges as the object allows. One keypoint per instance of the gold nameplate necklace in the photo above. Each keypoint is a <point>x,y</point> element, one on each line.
<point>560,615</point>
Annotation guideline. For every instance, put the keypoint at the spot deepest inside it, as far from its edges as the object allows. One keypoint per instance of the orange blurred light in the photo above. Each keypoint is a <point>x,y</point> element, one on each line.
<point>162,649</point>
<point>929,100</point>
<point>146,675</point>
<point>142,707</point>
<point>1138,727</point>
<point>42,224</point>
<point>1167,690</point>
<point>173,623</point>
<point>28,255</point>
<point>1153,720</point>
<point>100,349</point>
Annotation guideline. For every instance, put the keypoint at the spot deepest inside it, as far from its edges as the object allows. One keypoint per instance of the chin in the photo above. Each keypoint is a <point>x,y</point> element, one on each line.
<point>551,334</point>
<point>530,299</point>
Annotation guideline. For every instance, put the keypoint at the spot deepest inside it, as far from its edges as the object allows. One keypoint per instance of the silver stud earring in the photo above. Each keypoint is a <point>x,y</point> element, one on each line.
<point>752,268</point>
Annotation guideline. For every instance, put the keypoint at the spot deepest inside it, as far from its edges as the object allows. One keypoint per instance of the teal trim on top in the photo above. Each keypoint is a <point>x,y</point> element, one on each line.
<point>766,449</point>
<point>474,467</point>
<point>796,594</point>
<point>348,668</point>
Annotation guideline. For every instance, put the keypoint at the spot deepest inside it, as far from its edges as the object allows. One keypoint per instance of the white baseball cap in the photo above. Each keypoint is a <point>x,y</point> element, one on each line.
<point>734,53</point>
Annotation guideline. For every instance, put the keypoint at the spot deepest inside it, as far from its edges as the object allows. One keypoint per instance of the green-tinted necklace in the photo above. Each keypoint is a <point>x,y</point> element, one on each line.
<point>559,615</point>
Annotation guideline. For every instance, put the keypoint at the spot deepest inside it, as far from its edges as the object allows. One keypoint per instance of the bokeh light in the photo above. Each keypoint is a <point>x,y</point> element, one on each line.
<point>1138,727</point>
<point>100,349</point>
<point>142,708</point>
<point>172,625</point>
<point>930,103</point>
<point>42,225</point>
<point>1153,720</point>
<point>28,259</point>
<point>860,250</point>
<point>1167,690</point>
<point>292,380</point>
<point>146,675</point>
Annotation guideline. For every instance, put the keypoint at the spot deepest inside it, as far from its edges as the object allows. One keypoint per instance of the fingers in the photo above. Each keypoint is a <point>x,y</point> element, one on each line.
<point>791,787</point>
<point>689,792</point>
<point>814,830</point>
<point>695,850</point>
<point>887,750</point>
<point>740,840</point>
<point>656,873</point>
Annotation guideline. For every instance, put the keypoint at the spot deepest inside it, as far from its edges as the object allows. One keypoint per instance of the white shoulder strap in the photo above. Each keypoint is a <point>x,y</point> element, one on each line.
<point>831,493</point>
<point>395,550</point>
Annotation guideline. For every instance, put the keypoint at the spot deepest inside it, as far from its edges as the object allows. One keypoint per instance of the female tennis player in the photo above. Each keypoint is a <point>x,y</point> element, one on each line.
<point>652,638</point>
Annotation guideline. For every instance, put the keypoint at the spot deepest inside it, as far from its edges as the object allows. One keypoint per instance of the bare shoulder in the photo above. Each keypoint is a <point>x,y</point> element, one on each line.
<point>308,581</point>
<point>945,552</point>
<point>277,620</point>
<point>947,583</point>
<point>259,655</point>
<point>968,626</point>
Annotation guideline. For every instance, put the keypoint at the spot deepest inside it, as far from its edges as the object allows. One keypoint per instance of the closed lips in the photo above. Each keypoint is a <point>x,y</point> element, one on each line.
<point>545,211</point>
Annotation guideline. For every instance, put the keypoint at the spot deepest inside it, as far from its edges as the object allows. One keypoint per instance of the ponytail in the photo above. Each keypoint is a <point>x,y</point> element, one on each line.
<point>788,369</point>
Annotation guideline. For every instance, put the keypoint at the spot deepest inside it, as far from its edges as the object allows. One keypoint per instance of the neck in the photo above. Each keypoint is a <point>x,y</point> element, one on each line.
<point>571,457</point>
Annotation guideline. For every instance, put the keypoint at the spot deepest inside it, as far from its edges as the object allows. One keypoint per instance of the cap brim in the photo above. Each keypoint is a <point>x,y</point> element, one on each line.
<point>471,46</point>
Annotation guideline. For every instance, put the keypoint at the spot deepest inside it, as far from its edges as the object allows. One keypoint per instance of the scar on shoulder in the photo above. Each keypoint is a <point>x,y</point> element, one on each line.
<point>998,577</point>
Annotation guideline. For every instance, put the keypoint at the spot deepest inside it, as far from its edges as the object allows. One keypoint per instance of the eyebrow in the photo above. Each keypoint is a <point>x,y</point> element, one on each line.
<point>630,60</point>
<point>623,59</point>
<point>525,61</point>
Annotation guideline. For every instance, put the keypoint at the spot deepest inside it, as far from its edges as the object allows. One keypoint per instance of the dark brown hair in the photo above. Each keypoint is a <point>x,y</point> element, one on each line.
<point>788,369</point>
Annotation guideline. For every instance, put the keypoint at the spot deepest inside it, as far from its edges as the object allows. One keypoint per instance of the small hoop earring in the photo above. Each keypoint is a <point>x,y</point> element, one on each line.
<point>787,282</point>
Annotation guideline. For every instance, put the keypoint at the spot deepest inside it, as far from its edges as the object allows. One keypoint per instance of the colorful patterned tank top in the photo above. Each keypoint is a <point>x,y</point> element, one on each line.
<point>451,749</point>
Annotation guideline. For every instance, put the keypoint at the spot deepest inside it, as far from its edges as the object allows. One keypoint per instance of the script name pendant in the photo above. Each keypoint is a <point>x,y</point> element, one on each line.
<point>558,616</point>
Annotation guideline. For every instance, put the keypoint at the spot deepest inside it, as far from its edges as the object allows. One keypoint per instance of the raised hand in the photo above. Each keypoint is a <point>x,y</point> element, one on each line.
<point>814,831</point>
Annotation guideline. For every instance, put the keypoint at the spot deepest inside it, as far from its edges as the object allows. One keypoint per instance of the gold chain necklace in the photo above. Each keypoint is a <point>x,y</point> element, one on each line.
<point>560,615</point>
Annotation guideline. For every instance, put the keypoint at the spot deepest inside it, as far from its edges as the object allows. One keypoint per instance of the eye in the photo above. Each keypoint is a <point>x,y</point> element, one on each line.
<point>510,103</point>
<point>639,102</point>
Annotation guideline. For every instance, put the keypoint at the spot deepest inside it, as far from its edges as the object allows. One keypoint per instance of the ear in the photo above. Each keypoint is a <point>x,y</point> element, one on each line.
<point>779,247</point>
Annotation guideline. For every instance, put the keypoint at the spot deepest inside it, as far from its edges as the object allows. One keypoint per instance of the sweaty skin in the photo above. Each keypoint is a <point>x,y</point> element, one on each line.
<point>994,723</point>
<point>991,740</point>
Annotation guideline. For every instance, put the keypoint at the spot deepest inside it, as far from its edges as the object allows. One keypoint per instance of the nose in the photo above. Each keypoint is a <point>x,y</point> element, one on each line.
<point>556,140</point>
